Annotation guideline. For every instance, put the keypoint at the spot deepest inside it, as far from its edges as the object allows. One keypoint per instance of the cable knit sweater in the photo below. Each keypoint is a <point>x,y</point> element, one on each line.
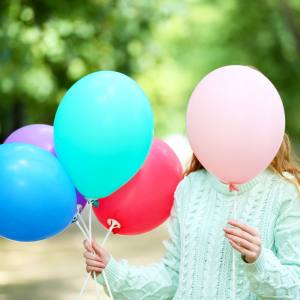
<point>198,260</point>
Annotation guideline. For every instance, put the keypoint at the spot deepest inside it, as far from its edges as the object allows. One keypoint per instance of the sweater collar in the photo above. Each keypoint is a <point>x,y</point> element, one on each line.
<point>224,189</point>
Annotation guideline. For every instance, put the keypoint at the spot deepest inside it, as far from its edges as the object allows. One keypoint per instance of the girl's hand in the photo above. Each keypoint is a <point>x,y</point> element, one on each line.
<point>244,239</point>
<point>96,257</point>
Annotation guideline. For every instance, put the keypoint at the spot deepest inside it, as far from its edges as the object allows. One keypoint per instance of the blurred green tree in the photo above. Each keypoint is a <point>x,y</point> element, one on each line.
<point>271,42</point>
<point>210,34</point>
<point>46,45</point>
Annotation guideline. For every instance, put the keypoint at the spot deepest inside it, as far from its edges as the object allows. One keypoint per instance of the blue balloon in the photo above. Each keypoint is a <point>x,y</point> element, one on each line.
<point>103,131</point>
<point>37,198</point>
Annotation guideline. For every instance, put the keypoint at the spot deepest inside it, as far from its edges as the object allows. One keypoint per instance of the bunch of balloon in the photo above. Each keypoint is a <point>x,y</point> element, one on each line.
<point>103,131</point>
<point>235,125</point>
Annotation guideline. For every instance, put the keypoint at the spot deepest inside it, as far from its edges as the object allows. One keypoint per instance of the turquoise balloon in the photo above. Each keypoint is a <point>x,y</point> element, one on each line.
<point>103,131</point>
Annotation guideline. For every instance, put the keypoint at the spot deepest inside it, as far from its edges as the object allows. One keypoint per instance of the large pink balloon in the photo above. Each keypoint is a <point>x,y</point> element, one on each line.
<point>146,200</point>
<point>235,123</point>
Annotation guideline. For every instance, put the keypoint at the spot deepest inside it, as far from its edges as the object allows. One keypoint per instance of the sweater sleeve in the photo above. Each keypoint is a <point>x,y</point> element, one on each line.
<point>276,275</point>
<point>157,281</point>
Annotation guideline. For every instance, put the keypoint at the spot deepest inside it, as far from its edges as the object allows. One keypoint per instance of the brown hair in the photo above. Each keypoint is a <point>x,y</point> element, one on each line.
<point>284,161</point>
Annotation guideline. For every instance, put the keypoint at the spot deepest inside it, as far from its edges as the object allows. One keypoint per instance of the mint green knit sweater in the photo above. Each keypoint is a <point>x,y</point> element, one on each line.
<point>197,264</point>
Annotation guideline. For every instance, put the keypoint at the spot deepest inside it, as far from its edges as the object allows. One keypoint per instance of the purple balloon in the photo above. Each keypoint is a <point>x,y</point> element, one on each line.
<point>81,202</point>
<point>37,134</point>
<point>40,135</point>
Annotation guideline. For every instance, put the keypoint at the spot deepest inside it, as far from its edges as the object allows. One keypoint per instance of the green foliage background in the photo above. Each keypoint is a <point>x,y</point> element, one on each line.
<point>167,46</point>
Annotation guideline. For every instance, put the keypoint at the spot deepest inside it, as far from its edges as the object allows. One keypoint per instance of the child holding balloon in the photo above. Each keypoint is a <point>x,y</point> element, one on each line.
<point>235,225</point>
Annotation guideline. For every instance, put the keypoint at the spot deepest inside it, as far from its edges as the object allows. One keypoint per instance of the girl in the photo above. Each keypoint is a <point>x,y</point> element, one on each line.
<point>198,259</point>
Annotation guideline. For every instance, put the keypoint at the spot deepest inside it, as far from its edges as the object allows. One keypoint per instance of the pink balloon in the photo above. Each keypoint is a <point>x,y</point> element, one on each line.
<point>235,123</point>
<point>146,200</point>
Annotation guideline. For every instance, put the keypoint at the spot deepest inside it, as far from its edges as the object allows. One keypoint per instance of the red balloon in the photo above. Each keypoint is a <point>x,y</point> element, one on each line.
<point>146,200</point>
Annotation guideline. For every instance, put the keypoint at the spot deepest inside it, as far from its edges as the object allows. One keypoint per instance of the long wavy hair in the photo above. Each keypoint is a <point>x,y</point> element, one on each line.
<point>284,161</point>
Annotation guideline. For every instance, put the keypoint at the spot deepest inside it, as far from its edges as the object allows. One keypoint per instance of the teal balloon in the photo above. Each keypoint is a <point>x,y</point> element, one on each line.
<point>103,131</point>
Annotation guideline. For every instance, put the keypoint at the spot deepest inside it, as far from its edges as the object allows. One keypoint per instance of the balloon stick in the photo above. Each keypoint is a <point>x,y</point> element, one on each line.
<point>82,230</point>
<point>82,222</point>
<point>113,224</point>
<point>233,251</point>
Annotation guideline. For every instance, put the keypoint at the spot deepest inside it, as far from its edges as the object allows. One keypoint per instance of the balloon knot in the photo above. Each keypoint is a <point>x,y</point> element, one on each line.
<point>114,224</point>
<point>233,187</point>
<point>75,218</point>
<point>94,202</point>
